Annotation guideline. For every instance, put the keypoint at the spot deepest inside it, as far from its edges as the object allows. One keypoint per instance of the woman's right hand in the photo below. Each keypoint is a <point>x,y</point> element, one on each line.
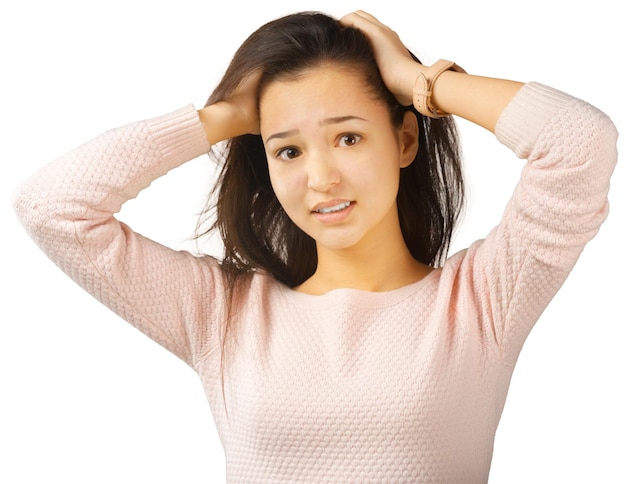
<point>234,116</point>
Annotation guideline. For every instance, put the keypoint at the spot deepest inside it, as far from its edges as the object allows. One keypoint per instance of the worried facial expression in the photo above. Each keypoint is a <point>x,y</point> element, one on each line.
<point>334,157</point>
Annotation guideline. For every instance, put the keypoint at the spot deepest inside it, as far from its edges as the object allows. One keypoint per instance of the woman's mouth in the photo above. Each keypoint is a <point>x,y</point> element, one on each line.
<point>334,212</point>
<point>335,208</point>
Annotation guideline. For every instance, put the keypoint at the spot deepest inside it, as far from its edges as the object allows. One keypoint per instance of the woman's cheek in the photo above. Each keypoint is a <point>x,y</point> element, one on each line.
<point>286,181</point>
<point>281,187</point>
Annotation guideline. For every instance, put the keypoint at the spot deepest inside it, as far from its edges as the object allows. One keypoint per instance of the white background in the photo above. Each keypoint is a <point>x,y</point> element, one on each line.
<point>84,398</point>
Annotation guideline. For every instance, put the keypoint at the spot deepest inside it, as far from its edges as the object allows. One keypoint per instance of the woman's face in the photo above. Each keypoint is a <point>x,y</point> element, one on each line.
<point>334,157</point>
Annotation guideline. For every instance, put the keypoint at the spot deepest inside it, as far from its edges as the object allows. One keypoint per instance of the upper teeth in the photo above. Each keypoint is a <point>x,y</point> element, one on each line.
<point>336,208</point>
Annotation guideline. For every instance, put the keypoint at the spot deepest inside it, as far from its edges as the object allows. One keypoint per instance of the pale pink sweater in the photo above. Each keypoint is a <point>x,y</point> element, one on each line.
<point>400,386</point>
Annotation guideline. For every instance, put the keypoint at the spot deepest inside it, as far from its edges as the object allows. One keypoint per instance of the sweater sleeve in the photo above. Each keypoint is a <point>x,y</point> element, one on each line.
<point>556,208</point>
<point>68,208</point>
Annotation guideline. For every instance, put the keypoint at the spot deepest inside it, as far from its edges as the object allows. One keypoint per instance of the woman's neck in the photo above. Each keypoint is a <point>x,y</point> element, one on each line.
<point>375,270</point>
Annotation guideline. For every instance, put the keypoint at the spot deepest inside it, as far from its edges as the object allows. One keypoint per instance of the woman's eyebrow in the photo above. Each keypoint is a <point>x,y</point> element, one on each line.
<point>323,122</point>
<point>339,119</point>
<point>283,134</point>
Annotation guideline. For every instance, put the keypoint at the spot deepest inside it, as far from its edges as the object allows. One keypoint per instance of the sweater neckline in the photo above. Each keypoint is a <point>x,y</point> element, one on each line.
<point>351,296</point>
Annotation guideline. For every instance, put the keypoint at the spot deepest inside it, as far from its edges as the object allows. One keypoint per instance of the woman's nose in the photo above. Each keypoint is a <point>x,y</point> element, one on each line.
<point>322,172</point>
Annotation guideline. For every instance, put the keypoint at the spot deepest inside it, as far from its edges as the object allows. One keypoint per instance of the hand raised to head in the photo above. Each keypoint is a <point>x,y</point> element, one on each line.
<point>244,100</point>
<point>236,114</point>
<point>397,67</point>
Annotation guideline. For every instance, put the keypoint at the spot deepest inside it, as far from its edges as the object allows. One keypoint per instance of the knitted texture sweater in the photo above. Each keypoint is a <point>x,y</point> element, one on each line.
<point>351,386</point>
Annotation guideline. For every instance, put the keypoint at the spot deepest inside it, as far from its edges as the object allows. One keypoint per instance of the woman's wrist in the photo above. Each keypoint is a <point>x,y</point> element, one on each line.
<point>424,86</point>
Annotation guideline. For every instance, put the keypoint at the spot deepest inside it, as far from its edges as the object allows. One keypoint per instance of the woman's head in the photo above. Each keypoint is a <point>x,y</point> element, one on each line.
<point>334,158</point>
<point>257,232</point>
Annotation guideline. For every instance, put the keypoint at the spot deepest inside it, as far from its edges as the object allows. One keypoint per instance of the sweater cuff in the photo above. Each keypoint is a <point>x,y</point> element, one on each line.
<point>179,135</point>
<point>523,119</point>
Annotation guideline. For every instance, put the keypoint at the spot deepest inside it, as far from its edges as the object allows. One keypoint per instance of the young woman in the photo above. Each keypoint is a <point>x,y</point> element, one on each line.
<point>335,340</point>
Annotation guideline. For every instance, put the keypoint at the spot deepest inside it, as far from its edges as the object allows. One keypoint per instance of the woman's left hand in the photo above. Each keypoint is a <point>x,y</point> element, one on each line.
<point>398,69</point>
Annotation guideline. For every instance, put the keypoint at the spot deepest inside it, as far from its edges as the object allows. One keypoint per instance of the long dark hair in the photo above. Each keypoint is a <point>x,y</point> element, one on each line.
<point>256,232</point>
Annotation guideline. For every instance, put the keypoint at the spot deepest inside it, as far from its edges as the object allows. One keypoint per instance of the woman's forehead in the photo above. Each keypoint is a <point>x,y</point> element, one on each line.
<point>321,84</point>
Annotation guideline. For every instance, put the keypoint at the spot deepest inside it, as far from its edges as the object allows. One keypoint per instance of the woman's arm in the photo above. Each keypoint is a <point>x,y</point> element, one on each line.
<point>477,99</point>
<point>480,100</point>
<point>68,207</point>
<point>556,208</point>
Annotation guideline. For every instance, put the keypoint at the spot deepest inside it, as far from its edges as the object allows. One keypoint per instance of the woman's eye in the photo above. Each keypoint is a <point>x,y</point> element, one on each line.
<point>288,153</point>
<point>349,139</point>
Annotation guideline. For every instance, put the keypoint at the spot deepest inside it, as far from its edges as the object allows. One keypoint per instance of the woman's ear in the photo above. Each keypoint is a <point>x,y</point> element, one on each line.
<point>409,139</point>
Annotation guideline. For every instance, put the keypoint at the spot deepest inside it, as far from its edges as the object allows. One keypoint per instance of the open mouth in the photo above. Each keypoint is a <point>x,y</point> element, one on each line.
<point>335,208</point>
